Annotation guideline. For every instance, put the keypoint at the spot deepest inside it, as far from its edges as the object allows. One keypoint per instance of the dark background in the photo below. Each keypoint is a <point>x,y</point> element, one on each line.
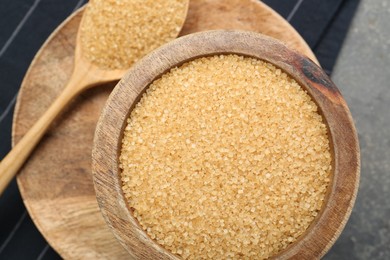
<point>25,25</point>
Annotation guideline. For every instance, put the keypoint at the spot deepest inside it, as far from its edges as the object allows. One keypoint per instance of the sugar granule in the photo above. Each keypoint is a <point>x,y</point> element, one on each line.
<point>225,157</point>
<point>116,33</point>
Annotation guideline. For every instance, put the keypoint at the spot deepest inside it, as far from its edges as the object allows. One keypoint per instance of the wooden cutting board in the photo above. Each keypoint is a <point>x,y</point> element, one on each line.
<point>56,182</point>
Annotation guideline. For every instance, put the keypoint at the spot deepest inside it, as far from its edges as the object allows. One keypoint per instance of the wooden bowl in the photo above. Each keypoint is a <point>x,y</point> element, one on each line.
<point>327,226</point>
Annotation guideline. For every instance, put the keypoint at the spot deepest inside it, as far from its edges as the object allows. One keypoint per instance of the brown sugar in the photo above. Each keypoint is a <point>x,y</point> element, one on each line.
<point>116,33</point>
<point>225,157</point>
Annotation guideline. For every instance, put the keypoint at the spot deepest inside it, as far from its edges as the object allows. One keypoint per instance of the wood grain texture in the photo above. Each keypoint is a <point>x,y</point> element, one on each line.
<point>249,15</point>
<point>327,226</point>
<point>56,183</point>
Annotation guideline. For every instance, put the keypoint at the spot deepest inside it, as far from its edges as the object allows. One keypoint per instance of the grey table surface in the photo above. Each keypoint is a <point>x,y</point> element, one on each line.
<point>362,74</point>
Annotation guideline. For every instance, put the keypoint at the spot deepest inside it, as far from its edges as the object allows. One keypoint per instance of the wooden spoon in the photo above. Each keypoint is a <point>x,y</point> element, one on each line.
<point>85,75</point>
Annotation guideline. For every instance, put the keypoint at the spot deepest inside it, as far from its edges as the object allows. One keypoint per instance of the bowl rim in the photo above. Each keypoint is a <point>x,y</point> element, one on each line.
<point>342,191</point>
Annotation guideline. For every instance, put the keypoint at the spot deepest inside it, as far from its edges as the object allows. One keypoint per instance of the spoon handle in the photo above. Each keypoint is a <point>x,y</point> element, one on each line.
<point>14,160</point>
